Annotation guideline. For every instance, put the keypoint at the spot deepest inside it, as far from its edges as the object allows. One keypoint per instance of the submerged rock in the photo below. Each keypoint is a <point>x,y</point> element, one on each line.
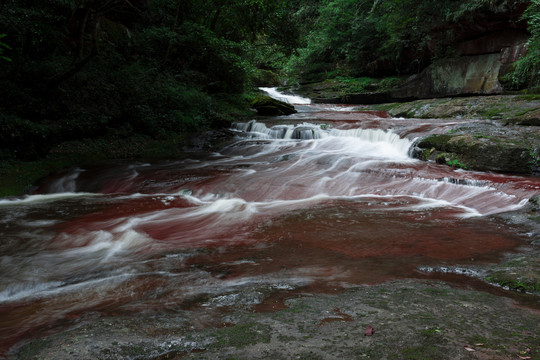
<point>265,105</point>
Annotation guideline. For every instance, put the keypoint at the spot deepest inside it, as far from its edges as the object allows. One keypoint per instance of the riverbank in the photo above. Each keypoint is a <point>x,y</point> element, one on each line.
<point>411,319</point>
<point>504,137</point>
<point>18,177</point>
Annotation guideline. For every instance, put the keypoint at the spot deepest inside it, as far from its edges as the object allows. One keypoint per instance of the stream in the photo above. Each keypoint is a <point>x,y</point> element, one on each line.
<point>318,201</point>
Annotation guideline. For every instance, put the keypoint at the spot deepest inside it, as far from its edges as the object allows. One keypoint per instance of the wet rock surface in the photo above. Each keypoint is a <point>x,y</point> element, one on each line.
<point>483,148</point>
<point>509,109</point>
<point>410,319</point>
<point>507,140</point>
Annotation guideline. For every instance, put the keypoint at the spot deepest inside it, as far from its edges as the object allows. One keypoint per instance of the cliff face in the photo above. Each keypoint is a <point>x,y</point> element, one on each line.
<point>469,75</point>
<point>485,49</point>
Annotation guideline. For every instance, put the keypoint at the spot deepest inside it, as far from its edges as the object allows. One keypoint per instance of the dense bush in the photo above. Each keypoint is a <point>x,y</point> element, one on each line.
<point>75,69</point>
<point>527,70</point>
<point>158,68</point>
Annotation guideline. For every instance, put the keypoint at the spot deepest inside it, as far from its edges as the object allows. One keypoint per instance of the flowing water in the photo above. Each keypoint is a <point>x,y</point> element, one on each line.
<point>318,201</point>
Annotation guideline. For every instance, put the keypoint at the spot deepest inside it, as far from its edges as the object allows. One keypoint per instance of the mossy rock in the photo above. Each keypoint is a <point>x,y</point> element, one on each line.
<point>480,153</point>
<point>267,106</point>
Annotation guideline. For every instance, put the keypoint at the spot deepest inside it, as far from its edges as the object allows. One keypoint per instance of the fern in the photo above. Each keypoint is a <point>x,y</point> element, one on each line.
<point>4,46</point>
<point>527,71</point>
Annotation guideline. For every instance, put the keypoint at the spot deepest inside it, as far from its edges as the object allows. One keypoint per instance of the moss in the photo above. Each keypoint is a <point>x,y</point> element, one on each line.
<point>528,97</point>
<point>535,200</point>
<point>33,349</point>
<point>421,353</point>
<point>135,350</point>
<point>242,335</point>
<point>265,105</point>
<point>425,154</point>
<point>339,86</point>
<point>431,332</point>
<point>529,285</point>
<point>435,141</point>
<point>387,106</point>
<point>494,112</point>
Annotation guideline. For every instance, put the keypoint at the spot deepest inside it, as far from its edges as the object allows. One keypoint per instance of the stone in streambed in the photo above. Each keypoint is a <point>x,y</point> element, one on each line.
<point>267,106</point>
<point>481,152</point>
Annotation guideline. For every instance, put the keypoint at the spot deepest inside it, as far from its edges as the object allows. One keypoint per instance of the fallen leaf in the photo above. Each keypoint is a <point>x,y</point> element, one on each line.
<point>524,357</point>
<point>369,331</point>
<point>479,344</point>
<point>469,348</point>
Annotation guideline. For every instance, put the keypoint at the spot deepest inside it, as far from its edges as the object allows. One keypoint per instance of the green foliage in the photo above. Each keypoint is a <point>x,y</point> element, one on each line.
<point>161,68</point>
<point>527,70</point>
<point>382,37</point>
<point>4,46</point>
<point>530,285</point>
<point>456,163</point>
<point>465,9</point>
<point>166,67</point>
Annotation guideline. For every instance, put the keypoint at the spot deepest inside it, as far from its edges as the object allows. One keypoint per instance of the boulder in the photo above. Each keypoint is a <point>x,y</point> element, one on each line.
<point>267,106</point>
<point>482,152</point>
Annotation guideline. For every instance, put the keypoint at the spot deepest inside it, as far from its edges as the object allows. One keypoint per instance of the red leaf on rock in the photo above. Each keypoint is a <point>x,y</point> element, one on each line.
<point>369,331</point>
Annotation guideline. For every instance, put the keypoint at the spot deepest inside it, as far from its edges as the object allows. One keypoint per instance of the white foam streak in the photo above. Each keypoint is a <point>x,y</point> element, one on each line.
<point>43,290</point>
<point>66,183</point>
<point>22,290</point>
<point>35,199</point>
<point>103,245</point>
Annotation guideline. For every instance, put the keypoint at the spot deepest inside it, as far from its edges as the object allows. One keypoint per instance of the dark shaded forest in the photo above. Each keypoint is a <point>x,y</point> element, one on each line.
<point>158,69</point>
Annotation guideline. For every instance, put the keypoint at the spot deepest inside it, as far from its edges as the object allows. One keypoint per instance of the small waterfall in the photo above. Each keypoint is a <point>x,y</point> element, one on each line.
<point>466,182</point>
<point>376,136</point>
<point>67,183</point>
<point>291,99</point>
<point>307,131</point>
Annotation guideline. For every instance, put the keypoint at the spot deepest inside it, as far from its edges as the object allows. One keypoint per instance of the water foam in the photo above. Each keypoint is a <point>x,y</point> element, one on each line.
<point>43,198</point>
<point>66,183</point>
<point>388,143</point>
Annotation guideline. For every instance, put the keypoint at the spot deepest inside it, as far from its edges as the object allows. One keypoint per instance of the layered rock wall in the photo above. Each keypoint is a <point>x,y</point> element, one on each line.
<point>466,75</point>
